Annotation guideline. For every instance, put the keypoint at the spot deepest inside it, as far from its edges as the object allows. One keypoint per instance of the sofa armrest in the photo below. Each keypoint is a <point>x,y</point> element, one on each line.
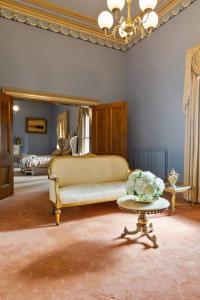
<point>53,189</point>
<point>52,177</point>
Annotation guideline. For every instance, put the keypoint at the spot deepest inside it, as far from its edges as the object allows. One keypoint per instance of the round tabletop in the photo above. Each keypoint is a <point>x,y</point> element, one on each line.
<point>127,203</point>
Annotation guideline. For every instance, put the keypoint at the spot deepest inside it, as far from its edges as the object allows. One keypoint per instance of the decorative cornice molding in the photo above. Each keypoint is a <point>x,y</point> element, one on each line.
<point>15,11</point>
<point>76,25</point>
<point>172,9</point>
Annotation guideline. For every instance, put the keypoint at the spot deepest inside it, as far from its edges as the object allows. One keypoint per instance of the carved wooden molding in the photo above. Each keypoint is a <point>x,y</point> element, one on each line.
<point>165,14</point>
<point>15,11</point>
<point>48,97</point>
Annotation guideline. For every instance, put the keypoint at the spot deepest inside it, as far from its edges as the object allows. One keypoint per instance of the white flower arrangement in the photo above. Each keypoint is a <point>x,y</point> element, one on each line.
<point>144,186</point>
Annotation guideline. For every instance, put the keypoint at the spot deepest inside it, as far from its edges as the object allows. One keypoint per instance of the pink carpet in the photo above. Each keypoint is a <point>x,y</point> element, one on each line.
<point>82,259</point>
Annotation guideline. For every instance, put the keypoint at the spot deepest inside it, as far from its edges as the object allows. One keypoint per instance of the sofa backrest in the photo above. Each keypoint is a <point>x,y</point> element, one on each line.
<point>85,170</point>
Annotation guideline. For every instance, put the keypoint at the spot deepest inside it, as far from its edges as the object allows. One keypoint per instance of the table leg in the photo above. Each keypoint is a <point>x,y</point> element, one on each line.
<point>150,228</point>
<point>193,194</point>
<point>142,227</point>
<point>126,231</point>
<point>173,201</point>
<point>151,238</point>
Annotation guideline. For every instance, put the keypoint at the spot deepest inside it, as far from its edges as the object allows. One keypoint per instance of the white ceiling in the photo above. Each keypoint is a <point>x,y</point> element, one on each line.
<point>85,7</point>
<point>92,8</point>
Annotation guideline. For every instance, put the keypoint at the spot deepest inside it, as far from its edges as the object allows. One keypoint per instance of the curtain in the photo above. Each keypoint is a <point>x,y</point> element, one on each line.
<point>191,108</point>
<point>83,130</point>
<point>62,125</point>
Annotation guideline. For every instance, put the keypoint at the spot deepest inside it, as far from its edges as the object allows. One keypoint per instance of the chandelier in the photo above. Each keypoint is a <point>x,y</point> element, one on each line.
<point>127,28</point>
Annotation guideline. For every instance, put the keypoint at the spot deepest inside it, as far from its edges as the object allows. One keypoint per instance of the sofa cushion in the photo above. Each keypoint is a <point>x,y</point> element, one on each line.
<point>88,170</point>
<point>92,192</point>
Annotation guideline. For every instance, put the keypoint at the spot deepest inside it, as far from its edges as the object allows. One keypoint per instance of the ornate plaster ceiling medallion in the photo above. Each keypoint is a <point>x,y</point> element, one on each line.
<point>51,17</point>
<point>128,27</point>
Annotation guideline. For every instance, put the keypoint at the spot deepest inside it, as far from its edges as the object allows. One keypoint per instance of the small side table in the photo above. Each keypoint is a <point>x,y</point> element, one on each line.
<point>178,189</point>
<point>126,203</point>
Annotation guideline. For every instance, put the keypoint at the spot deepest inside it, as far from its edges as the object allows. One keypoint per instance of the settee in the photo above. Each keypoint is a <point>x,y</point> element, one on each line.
<point>86,179</point>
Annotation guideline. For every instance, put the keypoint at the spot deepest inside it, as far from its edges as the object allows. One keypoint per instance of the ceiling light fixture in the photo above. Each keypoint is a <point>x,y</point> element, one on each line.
<point>127,28</point>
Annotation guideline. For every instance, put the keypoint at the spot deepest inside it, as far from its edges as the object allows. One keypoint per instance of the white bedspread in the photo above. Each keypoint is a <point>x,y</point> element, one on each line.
<point>37,161</point>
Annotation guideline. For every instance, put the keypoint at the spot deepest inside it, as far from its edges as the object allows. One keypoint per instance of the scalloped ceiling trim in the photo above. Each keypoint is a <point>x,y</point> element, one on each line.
<point>72,30</point>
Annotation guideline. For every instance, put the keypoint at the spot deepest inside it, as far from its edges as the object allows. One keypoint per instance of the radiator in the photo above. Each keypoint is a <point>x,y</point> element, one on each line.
<point>153,160</point>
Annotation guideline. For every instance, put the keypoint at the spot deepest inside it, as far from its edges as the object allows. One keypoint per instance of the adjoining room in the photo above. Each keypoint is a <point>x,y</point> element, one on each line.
<point>43,131</point>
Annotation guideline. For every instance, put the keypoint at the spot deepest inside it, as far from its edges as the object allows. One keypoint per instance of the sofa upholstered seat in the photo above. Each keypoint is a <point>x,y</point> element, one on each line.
<point>83,180</point>
<point>92,192</point>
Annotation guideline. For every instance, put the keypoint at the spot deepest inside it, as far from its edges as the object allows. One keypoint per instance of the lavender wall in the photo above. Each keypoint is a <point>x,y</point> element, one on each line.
<point>36,59</point>
<point>40,143</point>
<point>34,143</point>
<point>155,86</point>
<point>150,75</point>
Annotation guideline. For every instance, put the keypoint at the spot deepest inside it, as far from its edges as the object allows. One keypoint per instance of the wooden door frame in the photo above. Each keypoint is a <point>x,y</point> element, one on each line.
<point>20,94</point>
<point>29,95</point>
<point>6,151</point>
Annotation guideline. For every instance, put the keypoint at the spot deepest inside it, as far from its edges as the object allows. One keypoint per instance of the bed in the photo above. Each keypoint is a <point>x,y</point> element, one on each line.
<point>31,164</point>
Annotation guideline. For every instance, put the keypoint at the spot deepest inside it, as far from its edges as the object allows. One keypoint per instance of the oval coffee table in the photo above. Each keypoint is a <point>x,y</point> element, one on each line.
<point>126,203</point>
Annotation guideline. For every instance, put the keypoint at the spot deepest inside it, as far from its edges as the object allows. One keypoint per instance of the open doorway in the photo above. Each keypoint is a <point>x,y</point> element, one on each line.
<point>35,131</point>
<point>42,130</point>
<point>109,131</point>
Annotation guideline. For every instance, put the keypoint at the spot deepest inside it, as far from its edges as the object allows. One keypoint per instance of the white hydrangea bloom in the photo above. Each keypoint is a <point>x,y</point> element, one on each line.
<point>160,184</point>
<point>144,186</point>
<point>148,176</point>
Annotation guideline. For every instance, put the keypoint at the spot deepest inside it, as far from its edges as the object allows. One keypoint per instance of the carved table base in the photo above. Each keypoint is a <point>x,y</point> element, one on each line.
<point>142,226</point>
<point>173,190</point>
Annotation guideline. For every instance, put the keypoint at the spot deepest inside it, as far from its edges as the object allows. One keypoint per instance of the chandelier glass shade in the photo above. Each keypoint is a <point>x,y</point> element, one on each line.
<point>114,5</point>
<point>105,20</point>
<point>129,27</point>
<point>150,20</point>
<point>147,4</point>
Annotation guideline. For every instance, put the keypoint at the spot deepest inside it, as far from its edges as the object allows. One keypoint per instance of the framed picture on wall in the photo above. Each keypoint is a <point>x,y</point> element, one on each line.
<point>35,125</point>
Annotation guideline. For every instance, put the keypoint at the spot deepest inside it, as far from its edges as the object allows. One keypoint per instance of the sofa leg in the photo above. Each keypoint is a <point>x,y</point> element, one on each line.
<point>57,212</point>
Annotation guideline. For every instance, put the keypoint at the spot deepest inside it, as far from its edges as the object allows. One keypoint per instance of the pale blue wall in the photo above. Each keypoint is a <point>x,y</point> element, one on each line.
<point>36,59</point>
<point>32,142</point>
<point>155,86</point>
<point>41,143</point>
<point>150,75</point>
